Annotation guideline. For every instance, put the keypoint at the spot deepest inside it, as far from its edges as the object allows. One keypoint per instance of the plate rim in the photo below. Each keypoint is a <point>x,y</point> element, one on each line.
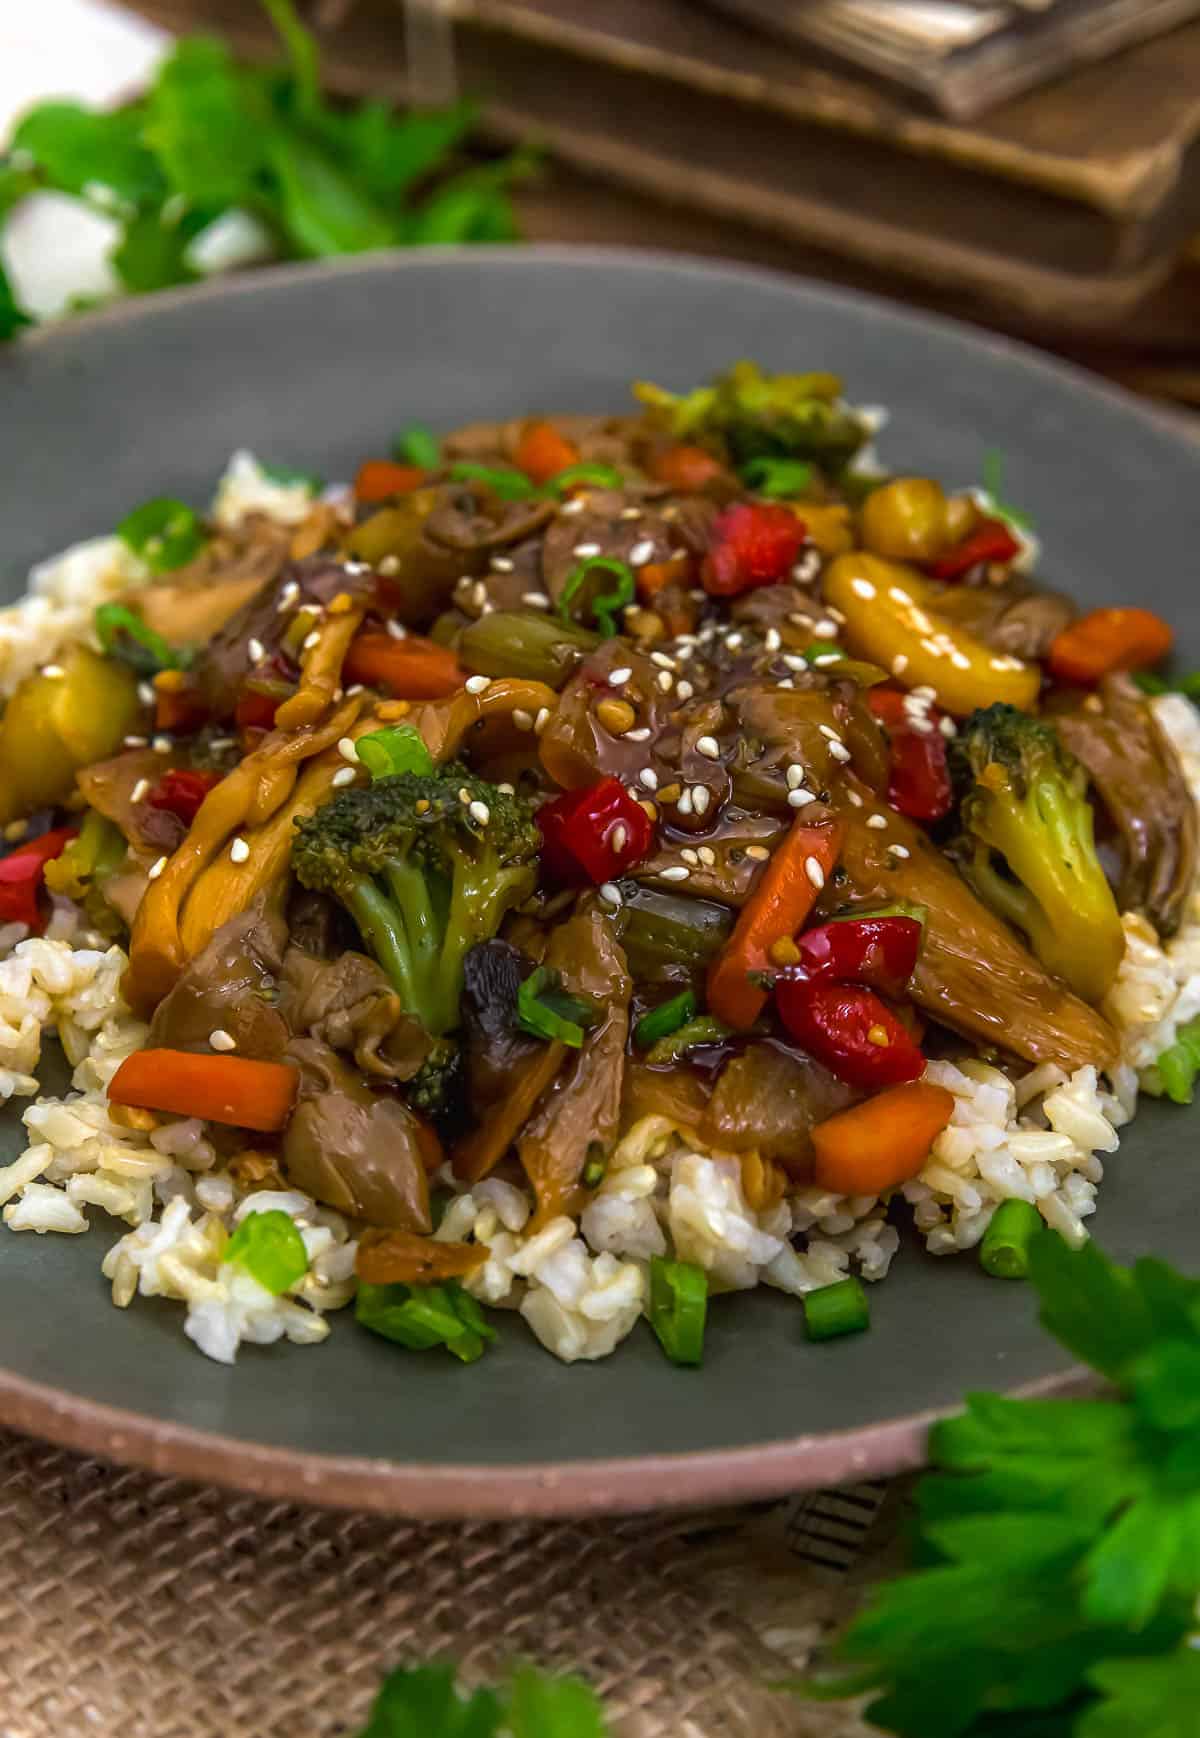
<point>465,1490</point>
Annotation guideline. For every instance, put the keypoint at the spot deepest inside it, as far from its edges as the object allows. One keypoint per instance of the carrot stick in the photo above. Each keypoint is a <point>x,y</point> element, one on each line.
<point>542,452</point>
<point>882,1142</point>
<point>380,479</point>
<point>410,669</point>
<point>231,1089</point>
<point>786,892</point>
<point>1107,640</point>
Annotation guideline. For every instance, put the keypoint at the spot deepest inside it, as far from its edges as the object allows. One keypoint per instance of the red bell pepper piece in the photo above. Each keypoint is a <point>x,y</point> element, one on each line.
<point>594,833</point>
<point>255,710</point>
<point>182,791</point>
<point>1106,640</point>
<point>380,479</point>
<point>919,780</point>
<point>878,951</point>
<point>990,541</point>
<point>849,1031</point>
<point>687,469</point>
<point>22,872</point>
<point>542,452</point>
<point>753,543</point>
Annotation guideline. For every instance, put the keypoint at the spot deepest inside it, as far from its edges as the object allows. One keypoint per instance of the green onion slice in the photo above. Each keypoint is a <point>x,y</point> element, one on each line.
<point>678,1307</point>
<point>704,1029</point>
<point>833,1310</point>
<point>123,634</point>
<point>546,1010</point>
<point>399,748</point>
<point>777,478</point>
<point>422,1317</point>
<point>271,1249</point>
<point>165,533</point>
<point>1178,1066</point>
<point>602,607</point>
<point>1004,1252</point>
<point>510,485</point>
<point>601,476</point>
<point>668,1017</point>
<point>418,445</point>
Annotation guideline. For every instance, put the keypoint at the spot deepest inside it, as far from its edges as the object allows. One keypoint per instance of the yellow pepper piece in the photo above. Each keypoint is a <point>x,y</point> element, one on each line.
<point>56,724</point>
<point>891,618</point>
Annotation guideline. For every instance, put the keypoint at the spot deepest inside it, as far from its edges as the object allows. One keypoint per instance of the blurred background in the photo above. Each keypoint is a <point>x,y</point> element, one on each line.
<point>1032,166</point>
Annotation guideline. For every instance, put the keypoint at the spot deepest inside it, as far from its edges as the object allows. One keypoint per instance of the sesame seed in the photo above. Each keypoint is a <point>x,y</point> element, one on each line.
<point>826,659</point>
<point>835,614</point>
<point>709,747</point>
<point>701,798</point>
<point>800,619</point>
<point>390,564</point>
<point>707,856</point>
<point>541,721</point>
<point>501,564</point>
<point>610,893</point>
<point>677,872</point>
<point>256,650</point>
<point>156,869</point>
<point>924,692</point>
<point>641,734</point>
<point>855,800</point>
<point>684,649</point>
<point>649,778</point>
<point>690,856</point>
<point>537,600</point>
<point>161,745</point>
<point>356,567</point>
<point>287,597</point>
<point>839,751</point>
<point>345,775</point>
<point>759,853</point>
<point>879,822</point>
<point>829,732</point>
<point>52,670</point>
<point>618,678</point>
<point>477,684</point>
<point>145,693</point>
<point>920,726</point>
<point>584,550</point>
<point>899,664</point>
<point>522,719</point>
<point>862,588</point>
<point>814,872</point>
<point>825,630</point>
<point>932,647</point>
<point>795,776</point>
<point>310,640</point>
<point>948,727</point>
<point>220,1039</point>
<point>898,595</point>
<point>239,850</point>
<point>921,622</point>
<point>666,681</point>
<point>662,660</point>
<point>139,790</point>
<point>795,661</point>
<point>479,812</point>
<point>786,682</point>
<point>478,595</point>
<point>733,642</point>
<point>800,798</point>
<point>684,690</point>
<point>135,741</point>
<point>619,837</point>
<point>397,630</point>
<point>772,639</point>
<point>630,513</point>
<point>900,850</point>
<point>960,660</point>
<point>642,552</point>
<point>348,749</point>
<point>575,505</point>
<point>509,790</point>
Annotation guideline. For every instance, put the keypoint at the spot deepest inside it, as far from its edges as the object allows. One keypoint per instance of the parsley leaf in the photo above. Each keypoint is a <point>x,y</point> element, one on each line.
<point>425,1702</point>
<point>78,150</point>
<point>12,318</point>
<point>1150,1698</point>
<point>205,121</point>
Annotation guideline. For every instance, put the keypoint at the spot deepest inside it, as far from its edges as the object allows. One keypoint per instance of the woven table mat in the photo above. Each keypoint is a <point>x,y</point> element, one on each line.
<point>134,1606</point>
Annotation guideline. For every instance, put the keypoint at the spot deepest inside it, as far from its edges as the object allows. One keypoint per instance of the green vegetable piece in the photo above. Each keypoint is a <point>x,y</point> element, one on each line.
<point>546,1010</point>
<point>526,643</point>
<point>550,1707</point>
<point>399,748</point>
<point>668,1017</point>
<point>425,1702</point>
<point>601,606</point>
<point>600,476</point>
<point>596,1167</point>
<point>510,485</point>
<point>390,152</point>
<point>302,52</point>
<point>1004,1252</point>
<point>897,908</point>
<point>1150,682</point>
<point>417,445</point>
<point>704,1029</point>
<point>165,533</point>
<point>124,635</point>
<point>777,478</point>
<point>151,254</point>
<point>421,1318</point>
<point>993,483</point>
<point>322,209</point>
<point>271,1249</point>
<point>471,207</point>
<point>13,319</point>
<point>93,154</point>
<point>794,416</point>
<point>1177,1066</point>
<point>678,1307</point>
<point>834,1310</point>
<point>209,126</point>
<point>1152,1698</point>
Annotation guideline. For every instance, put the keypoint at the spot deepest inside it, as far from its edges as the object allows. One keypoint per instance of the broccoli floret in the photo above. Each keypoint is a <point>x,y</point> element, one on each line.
<point>762,415</point>
<point>1028,848</point>
<point>433,1087</point>
<point>427,865</point>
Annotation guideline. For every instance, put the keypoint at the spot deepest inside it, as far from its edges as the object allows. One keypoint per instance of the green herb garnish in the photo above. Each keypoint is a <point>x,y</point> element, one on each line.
<point>423,1317</point>
<point>546,1010</point>
<point>418,445</point>
<point>399,748</point>
<point>1178,1065</point>
<point>678,1308</point>
<point>668,1017</point>
<point>602,607</point>
<point>271,1249</point>
<point>777,478</point>
<point>600,476</point>
<point>426,1702</point>
<point>125,636</point>
<point>509,484</point>
<point>704,1029</point>
<point>165,533</point>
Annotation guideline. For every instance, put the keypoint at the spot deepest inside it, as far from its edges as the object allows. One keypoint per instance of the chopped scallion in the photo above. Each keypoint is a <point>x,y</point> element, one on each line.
<point>602,606</point>
<point>668,1017</point>
<point>777,477</point>
<point>510,485</point>
<point>1004,1252</point>
<point>833,1310</point>
<point>1178,1066</point>
<point>165,533</point>
<point>124,635</point>
<point>678,1307</point>
<point>399,748</point>
<point>601,476</point>
<point>271,1250</point>
<point>422,1317</point>
<point>546,1010</point>
<point>418,445</point>
<point>704,1029</point>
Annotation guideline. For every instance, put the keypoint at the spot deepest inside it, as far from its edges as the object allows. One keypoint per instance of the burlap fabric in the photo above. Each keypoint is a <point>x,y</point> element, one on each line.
<point>134,1606</point>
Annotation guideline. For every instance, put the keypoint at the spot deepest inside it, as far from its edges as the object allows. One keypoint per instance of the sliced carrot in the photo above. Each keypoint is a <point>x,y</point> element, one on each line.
<point>685,468</point>
<point>786,892</point>
<point>655,576</point>
<point>1107,640</point>
<point>882,1142</point>
<point>542,452</point>
<point>232,1089</point>
<point>410,669</point>
<point>380,479</point>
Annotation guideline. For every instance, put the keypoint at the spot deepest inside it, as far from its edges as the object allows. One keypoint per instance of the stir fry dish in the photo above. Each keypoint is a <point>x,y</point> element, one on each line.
<point>588,865</point>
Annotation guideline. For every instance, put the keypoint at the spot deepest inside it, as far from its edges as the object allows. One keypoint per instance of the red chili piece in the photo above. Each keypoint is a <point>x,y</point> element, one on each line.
<point>182,792</point>
<point>594,833</point>
<point>21,874</point>
<point>255,711</point>
<point>753,543</point>
<point>992,541</point>
<point>850,1031</point>
<point>879,951</point>
<point>919,780</point>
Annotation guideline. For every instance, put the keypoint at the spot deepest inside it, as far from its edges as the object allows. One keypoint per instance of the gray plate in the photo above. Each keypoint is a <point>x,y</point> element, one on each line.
<point>318,367</point>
